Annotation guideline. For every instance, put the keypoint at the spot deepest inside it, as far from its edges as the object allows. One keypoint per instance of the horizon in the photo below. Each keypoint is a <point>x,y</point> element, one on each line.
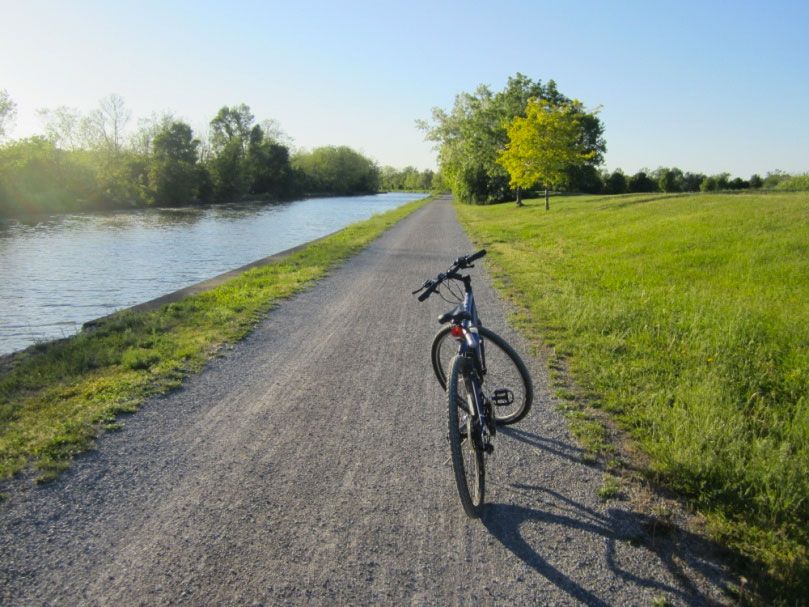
<point>680,85</point>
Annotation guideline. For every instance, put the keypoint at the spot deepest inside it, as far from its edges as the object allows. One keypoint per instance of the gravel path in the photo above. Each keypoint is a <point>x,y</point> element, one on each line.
<point>308,465</point>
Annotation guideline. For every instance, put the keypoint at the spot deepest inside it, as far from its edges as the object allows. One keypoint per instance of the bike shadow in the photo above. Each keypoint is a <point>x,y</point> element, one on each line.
<point>686,556</point>
<point>555,447</point>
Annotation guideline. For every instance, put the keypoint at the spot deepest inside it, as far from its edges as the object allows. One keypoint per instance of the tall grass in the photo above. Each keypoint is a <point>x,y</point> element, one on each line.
<point>56,397</point>
<point>688,317</point>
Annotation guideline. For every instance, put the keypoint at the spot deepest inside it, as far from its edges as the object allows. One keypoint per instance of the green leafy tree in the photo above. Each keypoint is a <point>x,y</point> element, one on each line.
<point>692,181</point>
<point>231,123</point>
<point>471,136</point>
<point>615,183</point>
<point>268,165</point>
<point>670,180</point>
<point>544,145</point>
<point>337,170</point>
<point>230,142</point>
<point>37,177</point>
<point>756,182</point>
<point>228,172</point>
<point>174,176</point>
<point>641,182</point>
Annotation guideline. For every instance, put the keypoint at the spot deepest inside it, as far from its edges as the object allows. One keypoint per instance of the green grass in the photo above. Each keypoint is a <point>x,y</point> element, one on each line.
<point>58,396</point>
<point>687,319</point>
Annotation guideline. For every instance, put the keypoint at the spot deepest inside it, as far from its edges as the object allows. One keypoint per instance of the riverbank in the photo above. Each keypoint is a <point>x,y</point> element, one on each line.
<point>62,271</point>
<point>58,396</point>
<point>685,320</point>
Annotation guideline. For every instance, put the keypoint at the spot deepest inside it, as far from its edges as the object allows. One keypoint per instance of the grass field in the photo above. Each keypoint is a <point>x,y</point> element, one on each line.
<point>687,318</point>
<point>59,395</point>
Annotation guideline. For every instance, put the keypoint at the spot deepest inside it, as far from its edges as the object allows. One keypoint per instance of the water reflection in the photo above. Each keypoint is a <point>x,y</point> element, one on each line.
<point>58,272</point>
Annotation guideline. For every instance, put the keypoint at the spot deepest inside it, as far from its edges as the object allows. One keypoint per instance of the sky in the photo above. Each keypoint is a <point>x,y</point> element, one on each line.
<point>706,86</point>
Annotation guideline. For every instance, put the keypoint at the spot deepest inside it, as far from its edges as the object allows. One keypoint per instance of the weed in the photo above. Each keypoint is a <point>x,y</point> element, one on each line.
<point>610,488</point>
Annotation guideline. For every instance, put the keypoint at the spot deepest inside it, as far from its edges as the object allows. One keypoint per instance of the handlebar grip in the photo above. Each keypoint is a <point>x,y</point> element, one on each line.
<point>477,255</point>
<point>426,294</point>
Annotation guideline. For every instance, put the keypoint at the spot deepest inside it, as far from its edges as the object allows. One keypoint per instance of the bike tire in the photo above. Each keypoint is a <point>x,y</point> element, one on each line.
<point>466,452</point>
<point>505,369</point>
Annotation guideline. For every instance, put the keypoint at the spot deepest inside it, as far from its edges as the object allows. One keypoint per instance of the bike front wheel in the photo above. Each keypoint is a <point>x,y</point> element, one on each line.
<point>505,370</point>
<point>465,441</point>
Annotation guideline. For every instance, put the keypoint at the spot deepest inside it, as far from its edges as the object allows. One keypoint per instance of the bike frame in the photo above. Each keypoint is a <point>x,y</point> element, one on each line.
<point>471,347</point>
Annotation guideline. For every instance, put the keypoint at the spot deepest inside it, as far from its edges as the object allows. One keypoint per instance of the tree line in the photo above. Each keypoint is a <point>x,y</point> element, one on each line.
<point>93,161</point>
<point>495,146</point>
<point>666,179</point>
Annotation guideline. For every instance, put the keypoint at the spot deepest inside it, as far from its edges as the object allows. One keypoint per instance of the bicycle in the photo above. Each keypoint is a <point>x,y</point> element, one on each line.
<point>483,389</point>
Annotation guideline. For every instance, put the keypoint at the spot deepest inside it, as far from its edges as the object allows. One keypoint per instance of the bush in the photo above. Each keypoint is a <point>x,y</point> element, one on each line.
<point>797,183</point>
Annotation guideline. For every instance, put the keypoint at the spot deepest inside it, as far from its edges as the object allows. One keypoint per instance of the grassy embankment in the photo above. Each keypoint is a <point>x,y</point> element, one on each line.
<point>59,395</point>
<point>687,319</point>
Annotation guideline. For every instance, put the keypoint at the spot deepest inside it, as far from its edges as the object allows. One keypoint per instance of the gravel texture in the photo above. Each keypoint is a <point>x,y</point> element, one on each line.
<point>309,465</point>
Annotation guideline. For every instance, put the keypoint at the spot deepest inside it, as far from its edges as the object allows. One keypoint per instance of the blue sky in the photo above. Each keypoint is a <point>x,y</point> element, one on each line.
<point>706,86</point>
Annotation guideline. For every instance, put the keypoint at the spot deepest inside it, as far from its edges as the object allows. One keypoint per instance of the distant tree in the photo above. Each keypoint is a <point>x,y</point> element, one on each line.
<point>544,145</point>
<point>104,128</point>
<point>229,124</point>
<point>471,136</point>
<point>641,182</point>
<point>337,170</point>
<point>148,128</point>
<point>708,184</point>
<point>173,176</point>
<point>692,181</point>
<point>715,183</point>
<point>670,180</point>
<point>62,127</point>
<point>756,182</point>
<point>585,178</point>
<point>268,165</point>
<point>738,184</point>
<point>8,109</point>
<point>228,172</point>
<point>615,183</point>
<point>773,178</point>
<point>230,141</point>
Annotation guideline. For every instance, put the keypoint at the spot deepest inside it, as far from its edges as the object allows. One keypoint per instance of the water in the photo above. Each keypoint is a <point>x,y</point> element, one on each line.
<point>58,272</point>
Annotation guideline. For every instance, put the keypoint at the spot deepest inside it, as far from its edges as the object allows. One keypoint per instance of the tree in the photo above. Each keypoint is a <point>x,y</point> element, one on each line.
<point>8,109</point>
<point>691,181</point>
<point>756,182</point>
<point>230,141</point>
<point>337,170</point>
<point>616,183</point>
<point>142,140</point>
<point>545,144</point>
<point>228,172</point>
<point>268,164</point>
<point>670,180</point>
<point>471,136</point>
<point>641,182</point>
<point>105,126</point>
<point>173,175</point>
<point>229,124</point>
<point>63,127</point>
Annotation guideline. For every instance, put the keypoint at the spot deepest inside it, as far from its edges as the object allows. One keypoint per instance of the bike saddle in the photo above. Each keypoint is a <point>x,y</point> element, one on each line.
<point>456,315</point>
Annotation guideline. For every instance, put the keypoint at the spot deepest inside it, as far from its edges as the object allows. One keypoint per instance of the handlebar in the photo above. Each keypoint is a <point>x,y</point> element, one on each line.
<point>461,263</point>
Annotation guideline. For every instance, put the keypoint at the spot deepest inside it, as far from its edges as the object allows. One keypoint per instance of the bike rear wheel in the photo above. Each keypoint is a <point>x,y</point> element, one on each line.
<point>465,445</point>
<point>505,370</point>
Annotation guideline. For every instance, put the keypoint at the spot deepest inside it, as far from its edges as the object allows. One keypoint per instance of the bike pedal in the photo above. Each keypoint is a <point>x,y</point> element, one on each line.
<point>502,397</point>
